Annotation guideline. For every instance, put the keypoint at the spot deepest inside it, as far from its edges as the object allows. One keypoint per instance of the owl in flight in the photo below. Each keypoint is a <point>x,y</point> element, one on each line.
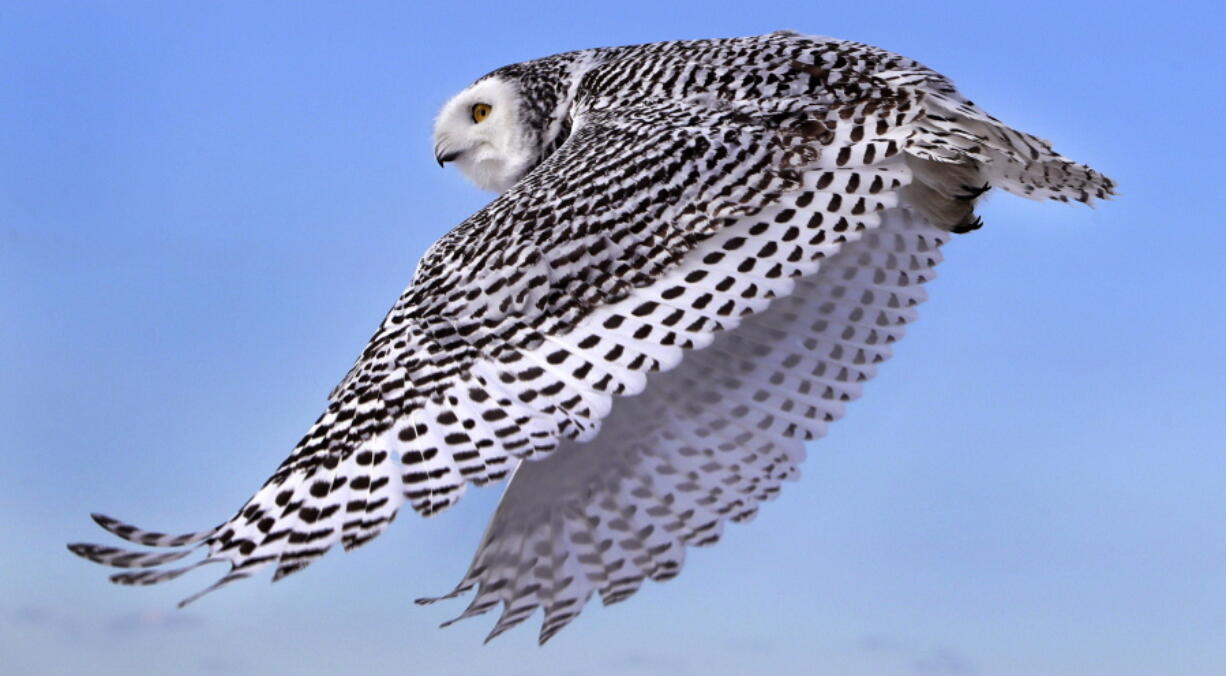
<point>699,253</point>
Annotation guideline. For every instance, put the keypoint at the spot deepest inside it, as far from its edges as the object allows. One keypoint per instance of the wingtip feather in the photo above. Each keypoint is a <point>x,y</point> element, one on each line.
<point>123,558</point>
<point>136,535</point>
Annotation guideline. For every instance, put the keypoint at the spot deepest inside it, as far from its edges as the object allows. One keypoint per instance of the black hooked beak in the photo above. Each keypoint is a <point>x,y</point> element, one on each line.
<point>445,157</point>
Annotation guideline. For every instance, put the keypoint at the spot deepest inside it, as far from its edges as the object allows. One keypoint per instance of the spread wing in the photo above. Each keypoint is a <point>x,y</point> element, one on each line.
<point>654,228</point>
<point>705,443</point>
<point>520,327</point>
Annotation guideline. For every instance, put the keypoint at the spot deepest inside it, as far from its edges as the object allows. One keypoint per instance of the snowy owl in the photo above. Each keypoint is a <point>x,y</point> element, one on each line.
<point>699,253</point>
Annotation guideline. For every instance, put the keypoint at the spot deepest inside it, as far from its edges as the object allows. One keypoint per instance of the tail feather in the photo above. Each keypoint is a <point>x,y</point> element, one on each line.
<point>954,131</point>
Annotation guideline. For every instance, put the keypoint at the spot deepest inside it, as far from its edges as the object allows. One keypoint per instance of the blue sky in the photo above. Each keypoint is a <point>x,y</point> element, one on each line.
<point>206,208</point>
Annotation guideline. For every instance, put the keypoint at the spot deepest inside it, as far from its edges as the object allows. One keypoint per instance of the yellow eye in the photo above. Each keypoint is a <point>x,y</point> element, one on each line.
<point>481,111</point>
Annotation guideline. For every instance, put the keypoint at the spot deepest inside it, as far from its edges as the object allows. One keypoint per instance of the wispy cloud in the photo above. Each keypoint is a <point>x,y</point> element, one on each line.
<point>32,616</point>
<point>214,665</point>
<point>879,644</point>
<point>643,664</point>
<point>944,662</point>
<point>130,624</point>
<point>940,661</point>
<point>120,625</point>
<point>748,644</point>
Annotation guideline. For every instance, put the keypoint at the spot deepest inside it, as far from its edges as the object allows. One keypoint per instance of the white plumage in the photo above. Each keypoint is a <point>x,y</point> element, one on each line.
<point>701,252</point>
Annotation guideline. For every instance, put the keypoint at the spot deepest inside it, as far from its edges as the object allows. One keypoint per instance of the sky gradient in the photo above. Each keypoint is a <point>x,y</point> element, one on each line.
<point>206,209</point>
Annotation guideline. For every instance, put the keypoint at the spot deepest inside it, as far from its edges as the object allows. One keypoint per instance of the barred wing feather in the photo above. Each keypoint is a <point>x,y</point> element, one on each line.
<point>705,443</point>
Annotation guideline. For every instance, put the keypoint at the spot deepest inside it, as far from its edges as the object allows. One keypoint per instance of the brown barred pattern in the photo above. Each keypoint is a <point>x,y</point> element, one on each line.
<point>733,230</point>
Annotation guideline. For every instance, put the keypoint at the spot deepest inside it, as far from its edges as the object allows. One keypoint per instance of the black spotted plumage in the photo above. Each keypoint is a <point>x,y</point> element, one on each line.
<point>714,245</point>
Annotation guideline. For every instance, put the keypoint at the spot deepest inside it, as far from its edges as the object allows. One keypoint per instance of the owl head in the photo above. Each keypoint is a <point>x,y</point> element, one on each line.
<point>483,130</point>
